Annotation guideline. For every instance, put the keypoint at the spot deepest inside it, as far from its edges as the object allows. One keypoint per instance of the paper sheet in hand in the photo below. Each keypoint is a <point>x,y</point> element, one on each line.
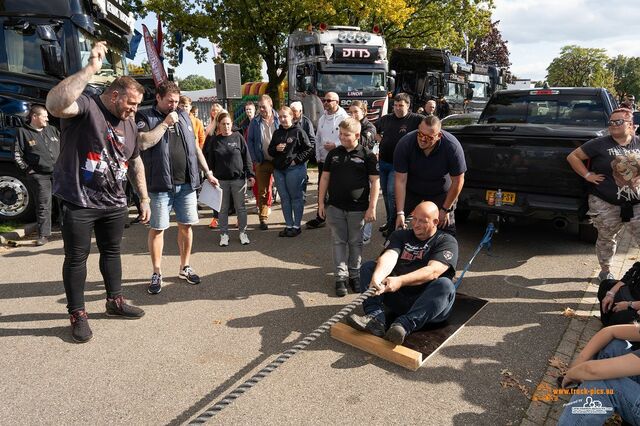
<point>211,196</point>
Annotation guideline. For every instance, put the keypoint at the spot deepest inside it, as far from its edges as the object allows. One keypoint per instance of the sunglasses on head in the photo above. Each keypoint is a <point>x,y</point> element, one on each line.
<point>618,122</point>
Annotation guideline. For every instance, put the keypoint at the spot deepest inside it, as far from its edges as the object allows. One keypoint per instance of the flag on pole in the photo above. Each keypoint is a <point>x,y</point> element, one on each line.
<point>178,37</point>
<point>134,44</point>
<point>157,69</point>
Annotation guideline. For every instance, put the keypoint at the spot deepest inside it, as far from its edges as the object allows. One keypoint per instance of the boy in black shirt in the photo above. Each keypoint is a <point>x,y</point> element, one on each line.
<point>350,174</point>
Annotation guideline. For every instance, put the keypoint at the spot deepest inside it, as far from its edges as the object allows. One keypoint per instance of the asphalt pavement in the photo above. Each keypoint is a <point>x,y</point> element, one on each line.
<point>196,343</point>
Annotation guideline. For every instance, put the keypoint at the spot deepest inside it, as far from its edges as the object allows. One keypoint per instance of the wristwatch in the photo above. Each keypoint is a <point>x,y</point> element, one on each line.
<point>449,210</point>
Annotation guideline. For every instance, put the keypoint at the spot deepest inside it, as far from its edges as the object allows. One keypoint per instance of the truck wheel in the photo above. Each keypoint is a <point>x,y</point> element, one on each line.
<point>587,233</point>
<point>17,196</point>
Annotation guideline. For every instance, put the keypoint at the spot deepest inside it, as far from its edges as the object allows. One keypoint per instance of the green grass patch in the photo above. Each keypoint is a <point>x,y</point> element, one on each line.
<point>9,226</point>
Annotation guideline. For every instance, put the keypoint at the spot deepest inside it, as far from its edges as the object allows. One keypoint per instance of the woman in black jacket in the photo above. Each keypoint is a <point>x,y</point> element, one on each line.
<point>228,158</point>
<point>290,149</point>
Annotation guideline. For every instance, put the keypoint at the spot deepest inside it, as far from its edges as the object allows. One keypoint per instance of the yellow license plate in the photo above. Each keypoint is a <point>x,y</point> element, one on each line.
<point>508,198</point>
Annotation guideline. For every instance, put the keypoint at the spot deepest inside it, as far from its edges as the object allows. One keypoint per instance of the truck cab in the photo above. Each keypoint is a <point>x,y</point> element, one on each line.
<point>41,43</point>
<point>340,59</point>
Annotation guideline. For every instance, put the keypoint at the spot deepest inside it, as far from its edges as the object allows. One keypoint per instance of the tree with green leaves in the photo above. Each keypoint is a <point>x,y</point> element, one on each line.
<point>195,82</point>
<point>626,75</point>
<point>253,29</point>
<point>580,67</point>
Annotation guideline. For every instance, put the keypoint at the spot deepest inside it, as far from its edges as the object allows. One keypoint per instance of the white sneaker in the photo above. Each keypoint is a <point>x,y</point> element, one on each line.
<point>224,240</point>
<point>244,238</point>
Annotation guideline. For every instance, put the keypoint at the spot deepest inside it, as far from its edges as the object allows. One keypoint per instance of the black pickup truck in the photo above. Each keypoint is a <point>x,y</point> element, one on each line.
<point>520,145</point>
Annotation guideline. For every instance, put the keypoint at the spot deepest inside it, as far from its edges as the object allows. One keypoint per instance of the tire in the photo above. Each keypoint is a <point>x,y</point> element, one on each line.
<point>17,196</point>
<point>587,233</point>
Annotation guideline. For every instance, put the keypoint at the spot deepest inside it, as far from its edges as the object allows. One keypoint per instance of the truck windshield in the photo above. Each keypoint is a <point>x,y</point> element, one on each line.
<point>479,89</point>
<point>563,109</point>
<point>21,47</point>
<point>114,65</point>
<point>341,83</point>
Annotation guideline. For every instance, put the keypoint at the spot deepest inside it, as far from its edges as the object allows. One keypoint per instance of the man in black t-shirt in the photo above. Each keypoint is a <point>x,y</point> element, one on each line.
<point>412,278</point>
<point>390,129</point>
<point>98,150</point>
<point>171,156</point>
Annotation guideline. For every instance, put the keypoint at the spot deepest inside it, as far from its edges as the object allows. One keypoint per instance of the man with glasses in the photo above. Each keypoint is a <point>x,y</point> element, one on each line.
<point>327,138</point>
<point>429,165</point>
<point>391,128</point>
<point>614,184</point>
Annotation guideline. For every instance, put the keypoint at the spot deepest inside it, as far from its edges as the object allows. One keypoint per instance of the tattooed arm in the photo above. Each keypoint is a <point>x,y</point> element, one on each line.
<point>61,100</point>
<point>136,176</point>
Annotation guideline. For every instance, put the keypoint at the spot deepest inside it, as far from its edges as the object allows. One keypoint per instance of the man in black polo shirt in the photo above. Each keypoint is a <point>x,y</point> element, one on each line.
<point>391,128</point>
<point>37,149</point>
<point>98,149</point>
<point>412,278</point>
<point>350,174</point>
<point>430,166</point>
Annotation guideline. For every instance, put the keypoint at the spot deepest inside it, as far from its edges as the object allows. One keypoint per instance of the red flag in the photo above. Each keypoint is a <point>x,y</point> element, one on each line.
<point>157,69</point>
<point>159,47</point>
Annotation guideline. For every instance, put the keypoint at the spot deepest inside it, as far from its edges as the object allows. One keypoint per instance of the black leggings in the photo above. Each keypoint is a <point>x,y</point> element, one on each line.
<point>77,226</point>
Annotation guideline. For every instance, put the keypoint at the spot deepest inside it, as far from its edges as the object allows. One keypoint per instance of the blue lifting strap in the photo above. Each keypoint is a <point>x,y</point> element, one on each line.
<point>485,242</point>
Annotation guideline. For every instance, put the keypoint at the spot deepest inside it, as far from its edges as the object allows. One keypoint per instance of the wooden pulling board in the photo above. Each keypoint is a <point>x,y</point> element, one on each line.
<point>419,345</point>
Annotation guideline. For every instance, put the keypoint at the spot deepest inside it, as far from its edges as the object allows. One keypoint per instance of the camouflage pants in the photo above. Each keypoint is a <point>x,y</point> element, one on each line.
<point>606,219</point>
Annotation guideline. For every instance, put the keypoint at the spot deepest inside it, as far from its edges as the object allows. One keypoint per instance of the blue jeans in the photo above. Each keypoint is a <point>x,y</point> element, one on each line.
<point>416,306</point>
<point>291,184</point>
<point>625,400</point>
<point>182,199</point>
<point>387,182</point>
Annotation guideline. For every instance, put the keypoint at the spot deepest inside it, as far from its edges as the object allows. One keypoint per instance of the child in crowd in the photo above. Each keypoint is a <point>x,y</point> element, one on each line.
<point>290,149</point>
<point>350,175</point>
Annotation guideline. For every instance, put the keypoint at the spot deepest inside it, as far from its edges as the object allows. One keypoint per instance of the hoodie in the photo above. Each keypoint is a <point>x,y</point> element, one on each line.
<point>297,151</point>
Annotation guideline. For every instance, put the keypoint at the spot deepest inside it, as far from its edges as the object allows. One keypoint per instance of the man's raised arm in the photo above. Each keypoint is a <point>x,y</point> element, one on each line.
<point>61,100</point>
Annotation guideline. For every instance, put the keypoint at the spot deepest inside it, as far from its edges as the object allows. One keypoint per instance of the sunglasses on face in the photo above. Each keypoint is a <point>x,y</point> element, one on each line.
<point>619,122</point>
<point>424,136</point>
<point>326,101</point>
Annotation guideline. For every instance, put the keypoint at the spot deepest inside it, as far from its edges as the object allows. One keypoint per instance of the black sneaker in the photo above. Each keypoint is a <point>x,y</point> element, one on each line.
<point>354,283</point>
<point>118,307</point>
<point>341,288</point>
<point>316,223</point>
<point>42,241</point>
<point>383,228</point>
<point>366,323</point>
<point>188,274</point>
<point>294,232</point>
<point>80,330</point>
<point>396,333</point>
<point>264,226</point>
<point>284,232</point>
<point>156,284</point>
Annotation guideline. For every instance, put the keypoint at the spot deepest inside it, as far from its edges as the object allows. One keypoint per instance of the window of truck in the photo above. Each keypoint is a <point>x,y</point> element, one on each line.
<point>564,109</point>
<point>113,65</point>
<point>21,49</point>
<point>368,83</point>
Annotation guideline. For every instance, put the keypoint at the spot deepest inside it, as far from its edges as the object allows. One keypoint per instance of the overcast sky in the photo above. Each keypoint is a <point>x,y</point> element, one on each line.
<point>535,29</point>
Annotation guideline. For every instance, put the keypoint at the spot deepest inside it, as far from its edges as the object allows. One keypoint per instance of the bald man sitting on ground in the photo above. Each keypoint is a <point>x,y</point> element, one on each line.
<point>412,278</point>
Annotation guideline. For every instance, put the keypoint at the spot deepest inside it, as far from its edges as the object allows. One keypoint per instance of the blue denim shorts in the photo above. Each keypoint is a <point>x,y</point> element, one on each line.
<point>183,200</point>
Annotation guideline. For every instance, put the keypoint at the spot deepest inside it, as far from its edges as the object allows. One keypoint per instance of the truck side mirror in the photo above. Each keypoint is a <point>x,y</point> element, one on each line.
<point>52,60</point>
<point>391,84</point>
